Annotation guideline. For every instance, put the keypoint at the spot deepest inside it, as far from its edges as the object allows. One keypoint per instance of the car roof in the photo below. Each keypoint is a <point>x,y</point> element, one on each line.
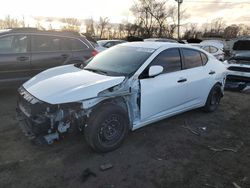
<point>154,45</point>
<point>37,31</point>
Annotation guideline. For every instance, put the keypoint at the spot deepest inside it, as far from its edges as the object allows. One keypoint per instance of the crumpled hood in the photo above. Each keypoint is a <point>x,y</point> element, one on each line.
<point>68,83</point>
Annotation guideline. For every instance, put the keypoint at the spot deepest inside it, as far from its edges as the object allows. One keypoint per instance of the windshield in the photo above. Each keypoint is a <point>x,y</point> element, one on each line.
<point>242,45</point>
<point>119,60</point>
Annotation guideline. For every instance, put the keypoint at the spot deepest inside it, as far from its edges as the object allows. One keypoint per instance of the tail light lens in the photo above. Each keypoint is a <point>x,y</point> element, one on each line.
<point>94,53</point>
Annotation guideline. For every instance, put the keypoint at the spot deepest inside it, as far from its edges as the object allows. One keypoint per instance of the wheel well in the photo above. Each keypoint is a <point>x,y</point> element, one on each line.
<point>118,101</point>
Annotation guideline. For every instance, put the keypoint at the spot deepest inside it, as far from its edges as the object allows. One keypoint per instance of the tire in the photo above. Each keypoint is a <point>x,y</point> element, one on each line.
<point>213,99</point>
<point>107,127</point>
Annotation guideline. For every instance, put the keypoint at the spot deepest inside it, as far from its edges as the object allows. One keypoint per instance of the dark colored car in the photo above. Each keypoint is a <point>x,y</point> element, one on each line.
<point>109,43</point>
<point>24,52</point>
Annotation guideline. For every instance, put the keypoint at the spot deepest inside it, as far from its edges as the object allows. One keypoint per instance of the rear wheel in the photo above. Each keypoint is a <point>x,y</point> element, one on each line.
<point>213,99</point>
<point>107,128</point>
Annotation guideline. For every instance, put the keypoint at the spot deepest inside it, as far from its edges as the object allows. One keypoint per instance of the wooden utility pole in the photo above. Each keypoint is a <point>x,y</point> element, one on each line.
<point>179,4</point>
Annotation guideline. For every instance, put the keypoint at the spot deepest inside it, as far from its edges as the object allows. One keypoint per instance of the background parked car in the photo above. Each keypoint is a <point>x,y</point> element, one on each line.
<point>215,51</point>
<point>109,43</point>
<point>239,66</point>
<point>25,52</point>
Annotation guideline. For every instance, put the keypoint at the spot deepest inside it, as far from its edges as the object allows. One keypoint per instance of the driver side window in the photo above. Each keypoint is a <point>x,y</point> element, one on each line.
<point>169,59</point>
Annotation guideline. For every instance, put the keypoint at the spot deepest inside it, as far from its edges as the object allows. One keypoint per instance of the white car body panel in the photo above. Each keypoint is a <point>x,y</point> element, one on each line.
<point>68,83</point>
<point>152,104</point>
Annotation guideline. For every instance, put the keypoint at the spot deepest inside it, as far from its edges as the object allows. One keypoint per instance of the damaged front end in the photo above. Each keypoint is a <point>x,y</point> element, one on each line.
<point>43,122</point>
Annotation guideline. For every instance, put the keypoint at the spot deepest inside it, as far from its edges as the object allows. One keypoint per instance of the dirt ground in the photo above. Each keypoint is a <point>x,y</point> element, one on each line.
<point>194,149</point>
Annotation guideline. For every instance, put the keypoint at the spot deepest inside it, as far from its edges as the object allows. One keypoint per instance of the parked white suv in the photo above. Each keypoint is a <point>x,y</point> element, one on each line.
<point>123,88</point>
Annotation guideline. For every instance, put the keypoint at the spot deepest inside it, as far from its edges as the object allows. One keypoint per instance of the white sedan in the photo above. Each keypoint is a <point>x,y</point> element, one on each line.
<point>215,51</point>
<point>123,88</point>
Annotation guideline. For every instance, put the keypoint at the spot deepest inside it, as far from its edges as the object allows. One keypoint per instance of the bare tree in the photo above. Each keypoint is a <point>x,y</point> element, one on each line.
<point>143,11</point>
<point>72,24</point>
<point>244,30</point>
<point>191,31</point>
<point>90,26</point>
<point>9,22</point>
<point>231,31</point>
<point>102,25</point>
<point>217,25</point>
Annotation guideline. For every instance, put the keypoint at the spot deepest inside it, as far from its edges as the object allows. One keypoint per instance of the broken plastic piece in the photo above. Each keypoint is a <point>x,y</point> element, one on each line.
<point>106,166</point>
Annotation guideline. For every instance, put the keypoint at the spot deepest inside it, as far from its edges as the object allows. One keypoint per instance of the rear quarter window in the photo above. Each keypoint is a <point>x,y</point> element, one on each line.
<point>204,58</point>
<point>77,45</point>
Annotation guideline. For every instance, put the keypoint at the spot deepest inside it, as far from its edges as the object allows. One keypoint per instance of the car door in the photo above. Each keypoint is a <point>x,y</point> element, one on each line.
<point>14,59</point>
<point>165,93</point>
<point>48,51</point>
<point>198,76</point>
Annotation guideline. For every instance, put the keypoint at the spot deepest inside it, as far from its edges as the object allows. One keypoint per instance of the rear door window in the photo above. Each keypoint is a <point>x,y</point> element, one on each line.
<point>46,43</point>
<point>13,44</point>
<point>169,59</point>
<point>192,58</point>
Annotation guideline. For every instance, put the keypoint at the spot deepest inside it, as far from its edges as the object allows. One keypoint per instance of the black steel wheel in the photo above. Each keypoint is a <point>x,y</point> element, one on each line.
<point>107,127</point>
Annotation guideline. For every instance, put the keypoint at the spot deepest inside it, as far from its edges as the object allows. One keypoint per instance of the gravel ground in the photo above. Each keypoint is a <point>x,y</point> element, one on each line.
<point>194,149</point>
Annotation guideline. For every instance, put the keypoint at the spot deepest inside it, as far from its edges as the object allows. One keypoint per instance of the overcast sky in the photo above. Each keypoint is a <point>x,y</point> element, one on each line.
<point>200,11</point>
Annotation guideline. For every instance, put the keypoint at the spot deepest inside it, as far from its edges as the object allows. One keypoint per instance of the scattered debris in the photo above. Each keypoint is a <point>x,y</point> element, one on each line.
<point>159,159</point>
<point>203,128</point>
<point>236,185</point>
<point>191,130</point>
<point>209,185</point>
<point>86,174</point>
<point>222,149</point>
<point>226,149</point>
<point>106,166</point>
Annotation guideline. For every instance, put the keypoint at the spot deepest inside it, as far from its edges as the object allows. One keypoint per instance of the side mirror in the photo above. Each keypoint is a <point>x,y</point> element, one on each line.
<point>155,70</point>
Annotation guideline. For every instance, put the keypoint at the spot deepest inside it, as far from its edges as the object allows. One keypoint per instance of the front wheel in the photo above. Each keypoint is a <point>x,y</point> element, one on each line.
<point>107,127</point>
<point>213,99</point>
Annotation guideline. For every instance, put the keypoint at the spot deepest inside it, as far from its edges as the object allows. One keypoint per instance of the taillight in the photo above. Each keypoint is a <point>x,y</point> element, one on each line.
<point>94,53</point>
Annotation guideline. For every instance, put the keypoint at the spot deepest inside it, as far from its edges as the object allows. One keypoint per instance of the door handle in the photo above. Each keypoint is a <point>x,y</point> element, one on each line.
<point>211,72</point>
<point>22,58</point>
<point>182,80</point>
